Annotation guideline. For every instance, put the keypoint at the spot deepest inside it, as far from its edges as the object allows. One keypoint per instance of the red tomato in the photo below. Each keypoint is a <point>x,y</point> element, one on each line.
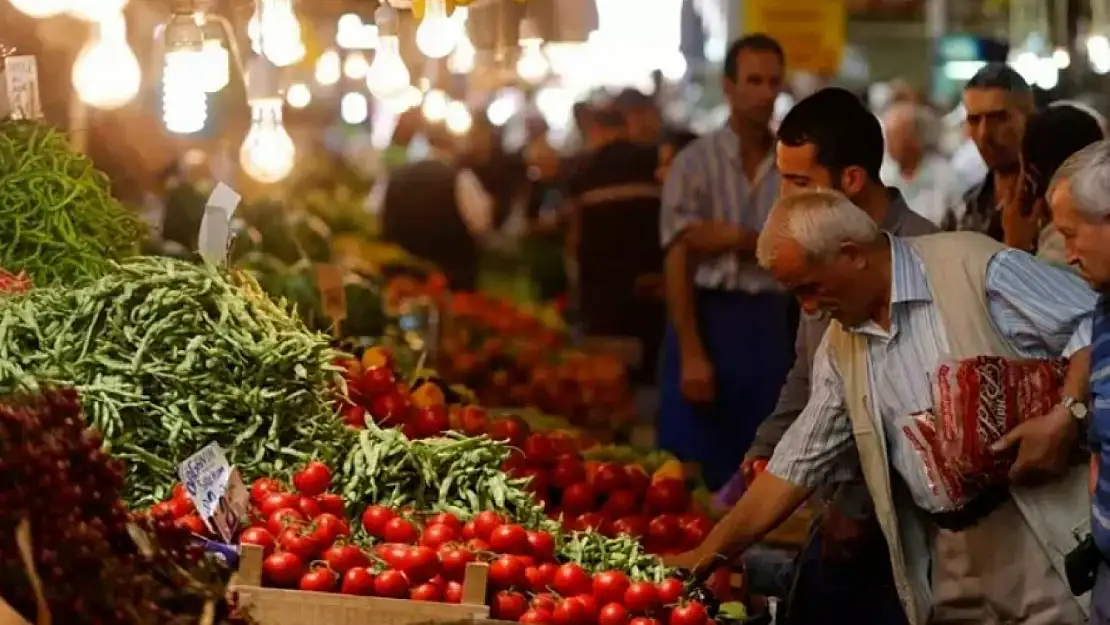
<point>264,486</point>
<point>544,601</point>
<point>436,535</point>
<point>633,525</point>
<point>670,591</point>
<point>720,584</point>
<point>569,612</point>
<point>508,605</point>
<point>327,527</point>
<point>643,620</point>
<point>541,545</point>
<point>358,581</point>
<point>342,558</point>
<point>610,586</point>
<point>319,579</point>
<point>507,572</point>
<point>695,529</point>
<point>426,592</point>
<point>692,613</point>
<point>667,495</point>
<point>332,504</point>
<point>641,597</point>
<point>162,511</point>
<point>454,560</point>
<point>590,605</point>
<point>538,480</point>
<point>448,519</point>
<point>579,498</point>
<point>474,420</point>
<point>421,564</point>
<point>390,408</point>
<point>179,492</point>
<point>308,507</point>
<point>280,519</point>
<point>568,471</point>
<point>374,520</point>
<point>181,507</point>
<point>509,538</point>
<point>609,477</point>
<point>621,502</point>
<point>193,523</point>
<point>355,416</point>
<point>312,480</point>
<point>664,530</point>
<point>392,584</point>
<point>431,421</point>
<point>283,569</point>
<point>539,449</point>
<point>258,536</point>
<point>276,501</point>
<point>589,521</point>
<point>296,541</point>
<point>571,580</point>
<point>399,530</point>
<point>537,617</point>
<point>511,429</point>
<point>638,479</point>
<point>392,554</point>
<point>377,381</point>
<point>612,614</point>
<point>485,522</point>
<point>477,545</point>
<point>453,592</point>
<point>469,531</point>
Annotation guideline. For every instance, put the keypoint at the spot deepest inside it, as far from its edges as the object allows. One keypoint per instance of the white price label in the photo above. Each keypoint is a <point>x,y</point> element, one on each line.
<point>215,226</point>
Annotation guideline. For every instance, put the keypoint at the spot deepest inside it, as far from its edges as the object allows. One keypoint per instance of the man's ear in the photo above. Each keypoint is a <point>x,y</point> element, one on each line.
<point>852,180</point>
<point>853,254</point>
<point>727,85</point>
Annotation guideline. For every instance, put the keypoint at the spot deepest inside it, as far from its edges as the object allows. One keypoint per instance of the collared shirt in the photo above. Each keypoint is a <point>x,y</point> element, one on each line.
<point>1099,434</point>
<point>933,191</point>
<point>707,183</point>
<point>1041,310</point>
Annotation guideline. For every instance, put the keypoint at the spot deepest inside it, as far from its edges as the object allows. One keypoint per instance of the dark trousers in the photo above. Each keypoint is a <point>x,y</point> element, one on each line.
<point>1100,597</point>
<point>848,589</point>
<point>749,338</point>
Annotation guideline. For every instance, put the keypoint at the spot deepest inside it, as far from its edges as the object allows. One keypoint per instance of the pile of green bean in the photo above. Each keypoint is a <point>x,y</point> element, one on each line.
<point>456,473</point>
<point>168,356</point>
<point>58,219</point>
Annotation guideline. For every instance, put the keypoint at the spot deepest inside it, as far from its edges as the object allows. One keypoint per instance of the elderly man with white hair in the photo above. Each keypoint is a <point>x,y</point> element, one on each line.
<point>914,166</point>
<point>899,309</point>
<point>1078,196</point>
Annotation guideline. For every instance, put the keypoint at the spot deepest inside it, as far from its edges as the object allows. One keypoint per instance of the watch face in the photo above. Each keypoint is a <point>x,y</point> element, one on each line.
<point>1079,409</point>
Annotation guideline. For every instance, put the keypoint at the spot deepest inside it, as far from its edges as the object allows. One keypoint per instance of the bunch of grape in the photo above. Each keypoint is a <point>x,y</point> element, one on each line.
<point>96,565</point>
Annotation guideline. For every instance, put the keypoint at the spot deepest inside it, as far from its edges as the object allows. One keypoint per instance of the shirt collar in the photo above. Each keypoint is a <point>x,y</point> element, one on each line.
<point>908,282</point>
<point>896,210</point>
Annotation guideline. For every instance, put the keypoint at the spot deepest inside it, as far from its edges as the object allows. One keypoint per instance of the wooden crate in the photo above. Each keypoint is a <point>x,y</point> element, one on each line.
<point>276,606</point>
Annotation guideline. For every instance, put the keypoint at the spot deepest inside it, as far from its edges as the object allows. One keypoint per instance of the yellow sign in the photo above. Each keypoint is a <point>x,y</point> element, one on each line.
<point>811,32</point>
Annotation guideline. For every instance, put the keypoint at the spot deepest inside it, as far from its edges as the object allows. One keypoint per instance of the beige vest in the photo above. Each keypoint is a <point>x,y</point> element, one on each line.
<point>956,264</point>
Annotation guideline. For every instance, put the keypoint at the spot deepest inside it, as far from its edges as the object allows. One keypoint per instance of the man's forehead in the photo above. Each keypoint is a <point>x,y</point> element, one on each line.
<point>980,101</point>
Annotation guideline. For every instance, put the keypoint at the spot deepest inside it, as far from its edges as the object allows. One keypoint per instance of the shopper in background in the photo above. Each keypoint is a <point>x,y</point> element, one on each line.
<point>916,167</point>
<point>1081,212</point>
<point>829,140</point>
<point>437,210</point>
<point>728,347</point>
<point>998,102</point>
<point>671,145</point>
<point>1051,136</point>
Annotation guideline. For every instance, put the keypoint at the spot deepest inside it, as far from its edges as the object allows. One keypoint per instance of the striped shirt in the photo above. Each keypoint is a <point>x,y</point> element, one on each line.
<point>1099,435</point>
<point>707,183</point>
<point>1041,310</point>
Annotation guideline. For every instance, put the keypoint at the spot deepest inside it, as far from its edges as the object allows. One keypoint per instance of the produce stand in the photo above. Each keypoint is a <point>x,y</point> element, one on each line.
<point>276,606</point>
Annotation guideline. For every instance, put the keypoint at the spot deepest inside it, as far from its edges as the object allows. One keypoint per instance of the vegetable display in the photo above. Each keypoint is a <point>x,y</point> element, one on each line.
<point>60,509</point>
<point>169,356</point>
<point>58,219</point>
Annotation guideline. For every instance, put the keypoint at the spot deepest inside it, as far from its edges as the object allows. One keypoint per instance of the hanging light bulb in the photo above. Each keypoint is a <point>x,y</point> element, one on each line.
<point>355,66</point>
<point>348,31</point>
<point>268,153</point>
<point>95,10</point>
<point>298,95</point>
<point>353,108</point>
<point>107,74</point>
<point>275,32</point>
<point>184,101</point>
<point>531,65</point>
<point>461,60</point>
<point>216,63</point>
<point>437,34</point>
<point>41,8</point>
<point>388,77</point>
<point>328,68</point>
<point>435,106</point>
<point>458,118</point>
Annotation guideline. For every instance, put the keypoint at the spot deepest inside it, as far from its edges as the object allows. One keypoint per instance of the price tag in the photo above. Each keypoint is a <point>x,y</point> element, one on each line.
<point>329,280</point>
<point>216,489</point>
<point>215,225</point>
<point>21,88</point>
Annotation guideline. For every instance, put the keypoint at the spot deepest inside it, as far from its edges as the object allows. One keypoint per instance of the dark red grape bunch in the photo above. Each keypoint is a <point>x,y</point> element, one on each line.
<point>95,566</point>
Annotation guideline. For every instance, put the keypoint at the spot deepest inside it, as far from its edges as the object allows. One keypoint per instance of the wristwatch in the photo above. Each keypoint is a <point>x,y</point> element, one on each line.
<point>1077,408</point>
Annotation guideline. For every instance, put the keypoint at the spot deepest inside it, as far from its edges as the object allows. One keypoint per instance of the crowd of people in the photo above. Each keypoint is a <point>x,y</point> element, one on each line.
<point>799,285</point>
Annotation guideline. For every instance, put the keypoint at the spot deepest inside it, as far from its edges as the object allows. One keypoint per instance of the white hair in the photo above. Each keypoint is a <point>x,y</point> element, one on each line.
<point>1088,170</point>
<point>819,221</point>
<point>923,121</point>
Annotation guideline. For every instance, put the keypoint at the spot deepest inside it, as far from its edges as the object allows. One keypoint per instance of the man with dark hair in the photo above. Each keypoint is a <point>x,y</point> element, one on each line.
<point>998,103</point>
<point>727,349</point>
<point>830,140</point>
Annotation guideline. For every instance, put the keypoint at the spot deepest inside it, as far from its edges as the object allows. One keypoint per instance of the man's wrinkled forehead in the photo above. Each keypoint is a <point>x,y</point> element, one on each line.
<point>987,101</point>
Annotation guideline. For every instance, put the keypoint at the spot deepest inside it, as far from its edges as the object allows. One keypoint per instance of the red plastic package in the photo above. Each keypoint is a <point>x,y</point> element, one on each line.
<point>14,284</point>
<point>976,402</point>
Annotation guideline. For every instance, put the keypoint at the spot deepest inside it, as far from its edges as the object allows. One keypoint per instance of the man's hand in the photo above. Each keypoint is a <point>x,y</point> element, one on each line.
<point>690,560</point>
<point>697,382</point>
<point>1044,444</point>
<point>714,237</point>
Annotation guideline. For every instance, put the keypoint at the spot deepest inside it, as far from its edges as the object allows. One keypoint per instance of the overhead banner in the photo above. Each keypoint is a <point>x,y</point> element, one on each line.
<point>811,32</point>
